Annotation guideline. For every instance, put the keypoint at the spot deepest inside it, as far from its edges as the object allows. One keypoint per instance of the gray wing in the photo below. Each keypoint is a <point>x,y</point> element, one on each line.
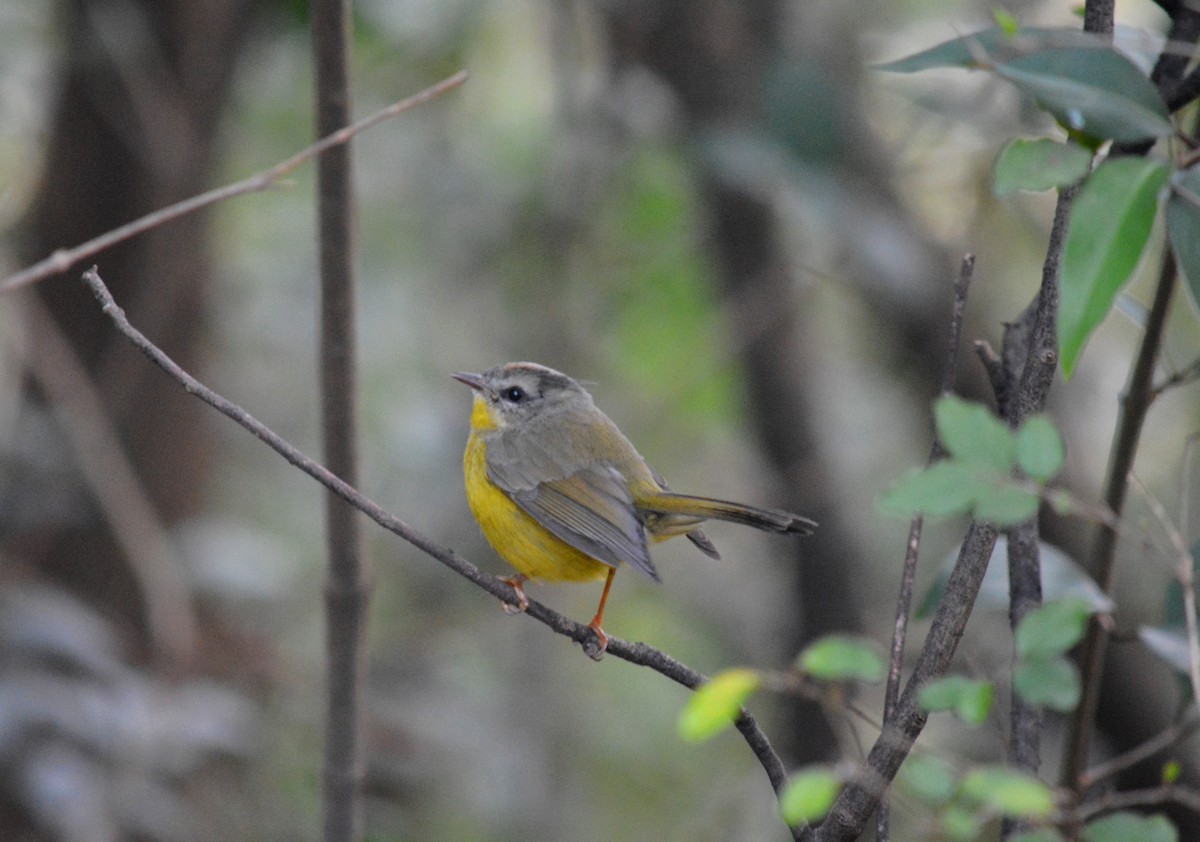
<point>589,508</point>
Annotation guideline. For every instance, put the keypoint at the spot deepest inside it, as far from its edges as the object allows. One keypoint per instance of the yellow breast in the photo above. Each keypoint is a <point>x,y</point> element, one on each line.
<point>513,533</point>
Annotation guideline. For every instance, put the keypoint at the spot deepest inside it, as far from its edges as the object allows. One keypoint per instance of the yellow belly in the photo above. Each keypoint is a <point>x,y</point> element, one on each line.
<point>515,535</point>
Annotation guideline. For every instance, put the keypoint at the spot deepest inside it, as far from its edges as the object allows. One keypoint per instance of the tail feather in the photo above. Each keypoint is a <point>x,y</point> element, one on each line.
<point>769,520</point>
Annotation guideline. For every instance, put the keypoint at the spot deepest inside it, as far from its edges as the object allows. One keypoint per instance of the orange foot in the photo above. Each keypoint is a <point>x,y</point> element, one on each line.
<point>516,582</point>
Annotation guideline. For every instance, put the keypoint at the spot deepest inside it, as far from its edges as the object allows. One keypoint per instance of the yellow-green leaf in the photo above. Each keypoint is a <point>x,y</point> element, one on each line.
<point>808,795</point>
<point>715,705</point>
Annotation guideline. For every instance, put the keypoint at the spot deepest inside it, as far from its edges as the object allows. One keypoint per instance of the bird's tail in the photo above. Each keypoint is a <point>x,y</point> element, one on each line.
<point>680,512</point>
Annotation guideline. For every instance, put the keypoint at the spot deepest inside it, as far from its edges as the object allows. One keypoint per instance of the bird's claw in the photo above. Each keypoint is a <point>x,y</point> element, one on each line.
<point>515,582</point>
<point>594,647</point>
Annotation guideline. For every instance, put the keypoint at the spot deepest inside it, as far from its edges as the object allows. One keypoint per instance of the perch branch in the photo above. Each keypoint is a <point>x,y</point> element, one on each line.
<point>640,654</point>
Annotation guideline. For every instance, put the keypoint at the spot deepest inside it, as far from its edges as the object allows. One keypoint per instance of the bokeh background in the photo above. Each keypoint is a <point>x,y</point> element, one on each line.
<point>715,212</point>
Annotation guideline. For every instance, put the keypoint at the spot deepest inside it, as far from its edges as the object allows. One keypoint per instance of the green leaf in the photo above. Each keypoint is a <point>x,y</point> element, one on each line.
<point>945,488</point>
<point>808,795</point>
<point>988,46</point>
<point>972,433</point>
<point>1079,78</point>
<point>1038,165</point>
<point>930,779</point>
<point>1040,451</point>
<point>970,700</point>
<point>1052,628</point>
<point>1123,827</point>
<point>1171,771</point>
<point>1009,792</point>
<point>1006,504</point>
<point>1098,93</point>
<point>1110,223</point>
<point>1048,682</point>
<point>842,658</point>
<point>1183,228</point>
<point>715,705</point>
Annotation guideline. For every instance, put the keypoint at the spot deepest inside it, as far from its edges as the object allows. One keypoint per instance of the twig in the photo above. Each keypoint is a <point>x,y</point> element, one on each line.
<point>1134,406</point>
<point>912,548</point>
<point>1177,733</point>
<point>62,259</point>
<point>635,653</point>
<point>153,558</point>
<point>1165,794</point>
<point>1182,377</point>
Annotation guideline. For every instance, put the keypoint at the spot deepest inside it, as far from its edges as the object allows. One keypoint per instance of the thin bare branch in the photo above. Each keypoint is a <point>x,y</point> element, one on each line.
<point>1185,375</point>
<point>1130,799</point>
<point>1174,735</point>
<point>63,259</point>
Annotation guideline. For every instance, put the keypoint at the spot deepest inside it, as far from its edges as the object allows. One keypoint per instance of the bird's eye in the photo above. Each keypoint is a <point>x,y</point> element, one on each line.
<point>513,394</point>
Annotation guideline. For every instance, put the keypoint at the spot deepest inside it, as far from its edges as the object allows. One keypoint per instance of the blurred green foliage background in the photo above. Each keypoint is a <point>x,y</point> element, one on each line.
<point>566,206</point>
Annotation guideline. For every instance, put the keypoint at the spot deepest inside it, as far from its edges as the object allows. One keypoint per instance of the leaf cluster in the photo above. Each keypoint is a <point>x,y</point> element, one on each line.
<point>991,472</point>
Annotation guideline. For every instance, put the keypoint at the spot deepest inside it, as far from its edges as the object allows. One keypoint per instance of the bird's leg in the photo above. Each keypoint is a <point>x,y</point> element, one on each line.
<point>516,582</point>
<point>594,625</point>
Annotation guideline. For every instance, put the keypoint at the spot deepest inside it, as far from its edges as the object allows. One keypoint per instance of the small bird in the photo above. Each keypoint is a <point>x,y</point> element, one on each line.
<point>562,495</point>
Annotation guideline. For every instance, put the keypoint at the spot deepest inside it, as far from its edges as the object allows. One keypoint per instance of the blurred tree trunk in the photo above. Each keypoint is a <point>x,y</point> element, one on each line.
<point>142,87</point>
<point>724,62</point>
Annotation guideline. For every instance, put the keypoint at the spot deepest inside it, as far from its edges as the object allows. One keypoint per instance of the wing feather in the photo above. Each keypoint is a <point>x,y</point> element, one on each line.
<point>593,512</point>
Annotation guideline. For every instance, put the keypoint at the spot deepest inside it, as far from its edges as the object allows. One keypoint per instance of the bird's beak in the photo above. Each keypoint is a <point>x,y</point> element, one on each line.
<point>475,381</point>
